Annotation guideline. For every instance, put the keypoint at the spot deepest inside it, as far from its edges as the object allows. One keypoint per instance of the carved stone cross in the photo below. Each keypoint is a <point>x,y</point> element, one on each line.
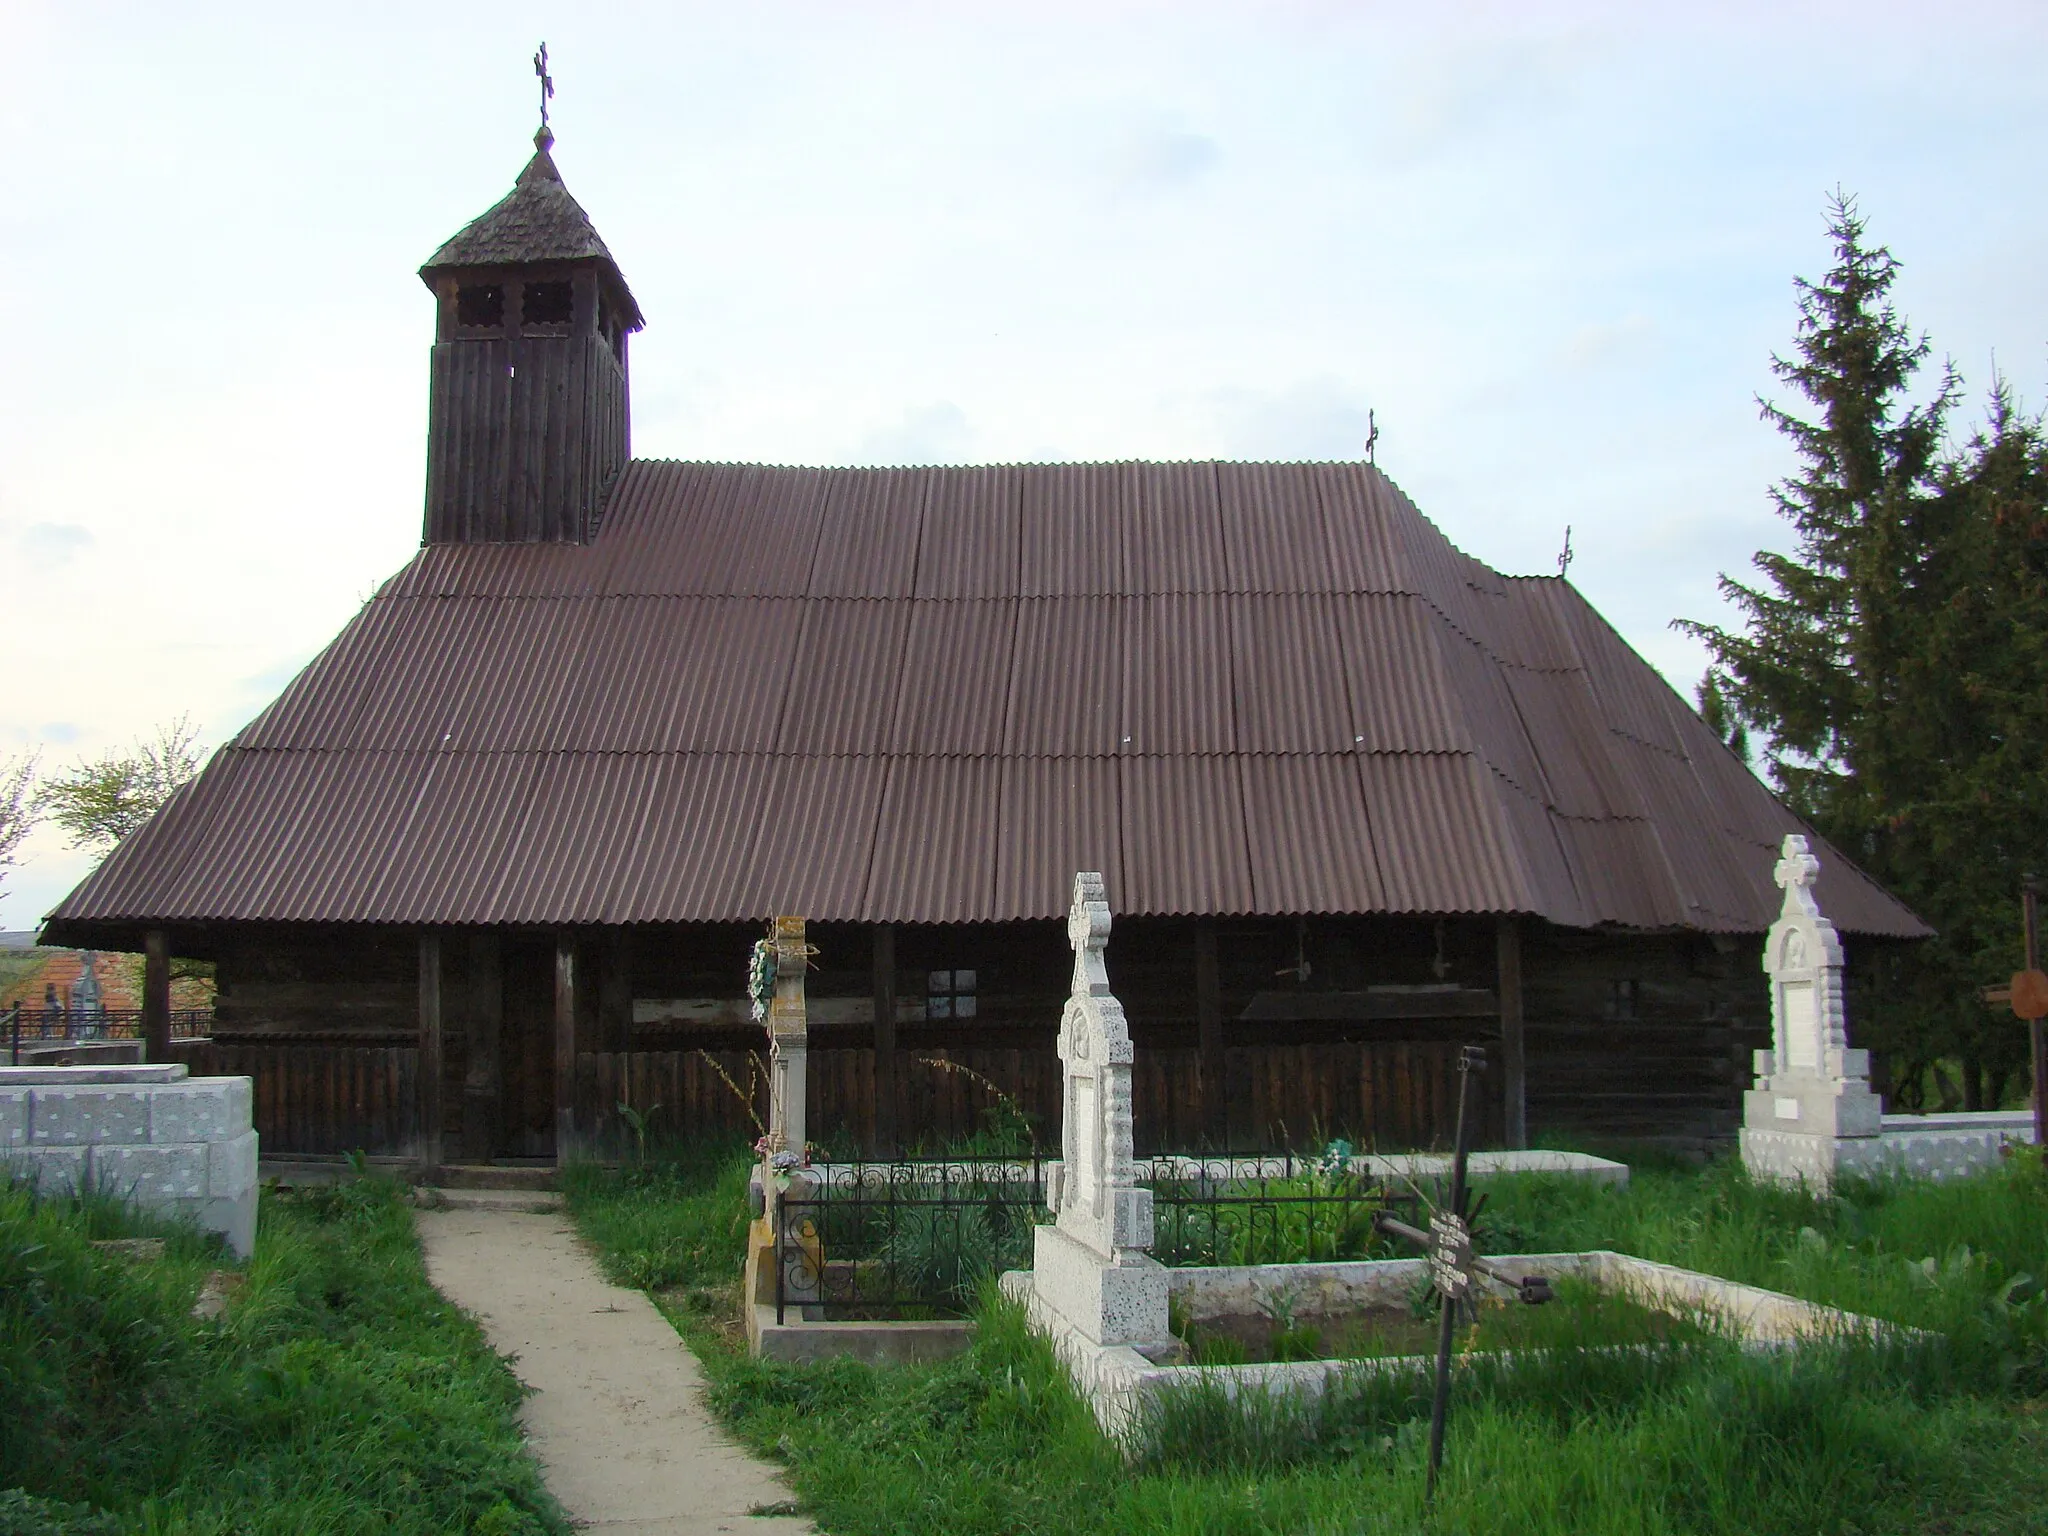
<point>1095,1189</point>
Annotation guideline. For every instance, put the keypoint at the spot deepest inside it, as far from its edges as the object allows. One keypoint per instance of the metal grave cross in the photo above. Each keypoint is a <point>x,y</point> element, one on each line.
<point>1455,1270</point>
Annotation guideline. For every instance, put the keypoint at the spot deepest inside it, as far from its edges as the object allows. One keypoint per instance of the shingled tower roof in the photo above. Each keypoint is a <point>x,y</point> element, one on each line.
<point>537,221</point>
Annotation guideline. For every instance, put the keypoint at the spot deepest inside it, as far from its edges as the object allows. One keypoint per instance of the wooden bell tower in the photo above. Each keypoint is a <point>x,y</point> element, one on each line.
<point>527,418</point>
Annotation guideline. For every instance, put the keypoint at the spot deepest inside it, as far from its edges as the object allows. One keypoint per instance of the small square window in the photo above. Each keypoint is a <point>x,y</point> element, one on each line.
<point>941,981</point>
<point>939,1006</point>
<point>950,994</point>
<point>963,981</point>
<point>963,1005</point>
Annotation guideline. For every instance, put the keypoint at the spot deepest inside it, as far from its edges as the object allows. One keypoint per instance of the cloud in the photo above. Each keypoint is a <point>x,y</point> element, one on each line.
<point>62,732</point>
<point>926,434</point>
<point>1161,158</point>
<point>1592,346</point>
<point>53,545</point>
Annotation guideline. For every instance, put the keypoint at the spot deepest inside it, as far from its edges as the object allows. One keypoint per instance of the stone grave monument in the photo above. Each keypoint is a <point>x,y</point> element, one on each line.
<point>1811,1113</point>
<point>1090,1266</point>
<point>776,980</point>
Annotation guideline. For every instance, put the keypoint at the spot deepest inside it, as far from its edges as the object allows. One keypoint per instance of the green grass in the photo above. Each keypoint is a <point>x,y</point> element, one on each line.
<point>338,1393</point>
<point>1687,1437</point>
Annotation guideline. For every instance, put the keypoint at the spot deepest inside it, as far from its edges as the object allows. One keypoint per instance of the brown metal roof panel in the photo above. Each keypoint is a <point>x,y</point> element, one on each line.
<point>955,682</point>
<point>137,876</point>
<point>725,692</point>
<point>1527,616</point>
<point>693,857</point>
<point>1065,694</point>
<point>1633,696</point>
<point>1057,815</point>
<point>1361,507</point>
<point>1310,838</point>
<point>1490,720</point>
<point>1572,744</point>
<point>593,808</point>
<point>1553,884</point>
<point>935,845</point>
<point>1289,675</point>
<point>973,525</point>
<point>1173,530</point>
<point>817,838</point>
<point>1177,676</point>
<point>1184,837</point>
<point>846,677</point>
<point>1440,835</point>
<point>450,861</point>
<point>1273,529</point>
<point>522,691</point>
<point>713,530</point>
<point>1620,867</point>
<point>1401,694</point>
<point>1709,861</point>
<point>1072,529</point>
<point>867,544</point>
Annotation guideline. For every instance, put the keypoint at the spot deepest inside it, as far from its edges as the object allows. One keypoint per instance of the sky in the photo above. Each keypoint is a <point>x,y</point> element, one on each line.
<point>1550,249</point>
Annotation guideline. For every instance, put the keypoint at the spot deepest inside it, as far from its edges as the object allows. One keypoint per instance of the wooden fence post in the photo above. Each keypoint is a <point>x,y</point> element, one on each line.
<point>429,1082</point>
<point>565,1047</point>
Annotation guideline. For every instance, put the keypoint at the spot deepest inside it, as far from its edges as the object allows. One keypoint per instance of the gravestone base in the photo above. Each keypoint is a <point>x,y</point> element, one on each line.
<point>1120,1301</point>
<point>1793,1157</point>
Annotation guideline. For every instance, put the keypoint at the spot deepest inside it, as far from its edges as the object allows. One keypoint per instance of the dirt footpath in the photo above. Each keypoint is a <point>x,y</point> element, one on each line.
<point>617,1416</point>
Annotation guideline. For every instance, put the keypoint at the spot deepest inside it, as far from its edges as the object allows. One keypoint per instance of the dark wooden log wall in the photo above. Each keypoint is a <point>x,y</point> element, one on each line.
<point>1640,1038</point>
<point>1629,1037</point>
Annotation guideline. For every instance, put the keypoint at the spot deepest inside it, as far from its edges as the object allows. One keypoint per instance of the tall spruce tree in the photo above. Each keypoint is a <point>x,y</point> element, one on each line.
<point>1892,665</point>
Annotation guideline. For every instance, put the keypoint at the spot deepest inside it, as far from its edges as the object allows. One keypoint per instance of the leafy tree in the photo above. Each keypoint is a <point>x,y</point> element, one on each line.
<point>18,814</point>
<point>1893,665</point>
<point>100,803</point>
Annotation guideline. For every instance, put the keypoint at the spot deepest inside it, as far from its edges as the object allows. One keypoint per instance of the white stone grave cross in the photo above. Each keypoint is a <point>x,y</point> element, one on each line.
<point>1812,1090</point>
<point>1095,1189</point>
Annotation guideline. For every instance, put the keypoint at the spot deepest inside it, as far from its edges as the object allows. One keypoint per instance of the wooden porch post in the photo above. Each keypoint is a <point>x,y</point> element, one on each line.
<point>156,996</point>
<point>565,1046</point>
<point>430,1051</point>
<point>1209,1033</point>
<point>483,1084</point>
<point>614,994</point>
<point>885,1039</point>
<point>1513,1049</point>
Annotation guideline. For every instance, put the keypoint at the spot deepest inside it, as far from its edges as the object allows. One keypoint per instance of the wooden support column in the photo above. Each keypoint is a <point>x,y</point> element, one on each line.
<point>885,1040</point>
<point>565,1047</point>
<point>1209,1034</point>
<point>483,1085</point>
<point>1513,1047</point>
<point>156,996</point>
<point>429,1082</point>
<point>614,993</point>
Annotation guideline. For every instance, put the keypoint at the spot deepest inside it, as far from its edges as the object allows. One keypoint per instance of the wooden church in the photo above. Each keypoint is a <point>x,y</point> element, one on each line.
<point>491,866</point>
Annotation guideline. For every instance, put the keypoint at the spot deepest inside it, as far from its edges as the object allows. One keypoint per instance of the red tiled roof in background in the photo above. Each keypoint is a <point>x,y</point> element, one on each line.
<point>929,695</point>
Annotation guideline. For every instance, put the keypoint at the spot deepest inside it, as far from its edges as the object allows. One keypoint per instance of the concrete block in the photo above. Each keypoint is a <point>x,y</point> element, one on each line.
<point>48,1170</point>
<point>151,1175</point>
<point>200,1109</point>
<point>13,1117</point>
<point>231,1166</point>
<point>148,1072</point>
<point>234,1218</point>
<point>1120,1303</point>
<point>87,1114</point>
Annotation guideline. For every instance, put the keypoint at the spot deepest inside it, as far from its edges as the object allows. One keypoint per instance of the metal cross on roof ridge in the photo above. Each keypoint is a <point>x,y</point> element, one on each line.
<point>547,82</point>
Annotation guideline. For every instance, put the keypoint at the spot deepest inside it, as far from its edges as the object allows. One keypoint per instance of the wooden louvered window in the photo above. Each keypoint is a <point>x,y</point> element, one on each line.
<point>551,305</point>
<point>480,306</point>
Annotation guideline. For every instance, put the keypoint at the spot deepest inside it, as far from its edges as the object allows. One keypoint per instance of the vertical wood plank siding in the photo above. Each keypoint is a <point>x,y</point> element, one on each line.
<point>321,1099</point>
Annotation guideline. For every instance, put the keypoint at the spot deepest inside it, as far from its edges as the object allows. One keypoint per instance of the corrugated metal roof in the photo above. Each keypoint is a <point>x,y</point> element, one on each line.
<point>932,694</point>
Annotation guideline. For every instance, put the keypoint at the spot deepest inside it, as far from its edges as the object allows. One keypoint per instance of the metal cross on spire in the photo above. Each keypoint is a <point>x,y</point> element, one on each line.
<point>547,82</point>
